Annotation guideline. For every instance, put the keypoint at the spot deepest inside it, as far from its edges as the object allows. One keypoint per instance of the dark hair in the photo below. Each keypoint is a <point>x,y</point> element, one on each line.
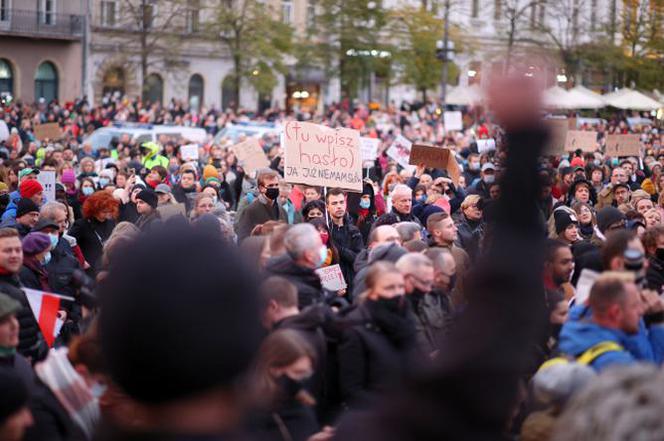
<point>161,170</point>
<point>318,204</point>
<point>279,290</point>
<point>334,192</point>
<point>551,247</point>
<point>651,235</point>
<point>615,246</point>
<point>435,218</point>
<point>386,219</point>
<point>188,170</point>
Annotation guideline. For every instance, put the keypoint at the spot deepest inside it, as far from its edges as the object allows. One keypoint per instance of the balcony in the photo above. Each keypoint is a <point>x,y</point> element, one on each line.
<point>39,24</point>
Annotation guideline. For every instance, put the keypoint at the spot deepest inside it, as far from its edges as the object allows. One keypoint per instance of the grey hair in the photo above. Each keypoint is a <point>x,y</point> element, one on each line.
<point>48,210</point>
<point>412,263</point>
<point>401,188</point>
<point>622,403</point>
<point>407,230</point>
<point>300,238</point>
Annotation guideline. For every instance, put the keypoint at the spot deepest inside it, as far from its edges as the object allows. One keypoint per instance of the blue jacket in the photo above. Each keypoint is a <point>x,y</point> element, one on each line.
<point>10,211</point>
<point>580,334</point>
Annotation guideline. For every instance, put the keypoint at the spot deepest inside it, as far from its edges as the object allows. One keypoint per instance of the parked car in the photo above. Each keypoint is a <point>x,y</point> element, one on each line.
<point>248,129</point>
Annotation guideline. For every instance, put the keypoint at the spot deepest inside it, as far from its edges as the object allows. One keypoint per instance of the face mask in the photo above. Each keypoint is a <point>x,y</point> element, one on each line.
<point>474,166</point>
<point>614,162</point>
<point>54,240</point>
<point>392,304</point>
<point>597,162</point>
<point>103,182</point>
<point>422,199</point>
<point>324,237</point>
<point>288,386</point>
<point>4,199</point>
<point>214,200</point>
<point>660,253</point>
<point>489,179</point>
<point>272,193</point>
<point>47,258</point>
<point>365,204</point>
<point>98,390</point>
<point>322,256</point>
<point>87,191</point>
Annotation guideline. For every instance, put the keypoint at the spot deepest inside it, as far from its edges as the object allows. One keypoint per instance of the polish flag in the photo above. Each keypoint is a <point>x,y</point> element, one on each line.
<point>45,307</point>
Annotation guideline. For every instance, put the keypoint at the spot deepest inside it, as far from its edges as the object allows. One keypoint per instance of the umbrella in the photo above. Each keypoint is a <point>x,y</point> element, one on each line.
<point>557,98</point>
<point>588,93</point>
<point>464,96</point>
<point>631,99</point>
<point>583,100</point>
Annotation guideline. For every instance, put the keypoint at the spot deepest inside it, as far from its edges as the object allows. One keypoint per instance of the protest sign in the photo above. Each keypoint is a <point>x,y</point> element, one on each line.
<point>623,145</point>
<point>400,152</point>
<point>170,210</point>
<point>369,148</point>
<point>429,155</point>
<point>486,145</point>
<point>580,139</point>
<point>47,181</point>
<point>250,155</point>
<point>189,152</point>
<point>453,169</point>
<point>452,120</point>
<point>331,278</point>
<point>585,283</point>
<point>322,156</point>
<point>48,131</point>
<point>558,129</point>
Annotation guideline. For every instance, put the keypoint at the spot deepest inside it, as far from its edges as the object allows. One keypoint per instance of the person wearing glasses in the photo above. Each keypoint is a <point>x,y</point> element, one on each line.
<point>264,208</point>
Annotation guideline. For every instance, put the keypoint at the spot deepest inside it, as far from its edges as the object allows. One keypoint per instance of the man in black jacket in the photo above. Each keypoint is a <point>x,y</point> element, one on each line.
<point>264,208</point>
<point>653,242</point>
<point>402,204</point>
<point>31,342</point>
<point>345,236</point>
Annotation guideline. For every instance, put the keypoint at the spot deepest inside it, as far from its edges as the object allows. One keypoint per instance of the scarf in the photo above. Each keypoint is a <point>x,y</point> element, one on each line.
<point>70,389</point>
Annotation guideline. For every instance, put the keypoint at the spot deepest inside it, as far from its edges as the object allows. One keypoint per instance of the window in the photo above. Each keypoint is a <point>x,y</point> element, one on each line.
<point>593,15</point>
<point>533,16</point>
<point>48,12</point>
<point>6,77</point>
<point>108,9</point>
<point>475,8</point>
<point>196,88</point>
<point>542,14</point>
<point>149,11</point>
<point>287,11</point>
<point>5,8</point>
<point>311,14</point>
<point>497,9</point>
<point>153,89</point>
<point>46,82</point>
<point>229,93</point>
<point>193,16</point>
<point>114,81</point>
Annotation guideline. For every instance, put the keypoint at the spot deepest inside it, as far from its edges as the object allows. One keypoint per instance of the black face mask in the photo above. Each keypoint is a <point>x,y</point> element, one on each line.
<point>394,304</point>
<point>272,193</point>
<point>660,253</point>
<point>288,386</point>
<point>418,294</point>
<point>4,199</point>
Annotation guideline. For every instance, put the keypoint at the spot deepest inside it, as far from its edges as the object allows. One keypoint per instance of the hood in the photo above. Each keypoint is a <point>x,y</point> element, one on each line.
<point>580,334</point>
<point>353,200</point>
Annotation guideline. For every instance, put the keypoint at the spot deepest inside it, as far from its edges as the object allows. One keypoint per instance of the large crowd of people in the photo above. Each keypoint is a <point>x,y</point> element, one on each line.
<point>483,306</point>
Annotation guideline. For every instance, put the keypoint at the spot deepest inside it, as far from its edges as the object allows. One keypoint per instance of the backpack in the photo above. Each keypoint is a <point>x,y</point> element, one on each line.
<point>587,357</point>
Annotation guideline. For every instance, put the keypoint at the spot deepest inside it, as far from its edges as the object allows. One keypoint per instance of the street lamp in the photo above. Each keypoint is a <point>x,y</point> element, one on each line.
<point>445,52</point>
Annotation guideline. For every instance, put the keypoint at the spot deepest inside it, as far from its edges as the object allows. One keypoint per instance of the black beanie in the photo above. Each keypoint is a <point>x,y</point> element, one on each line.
<point>14,393</point>
<point>25,206</point>
<point>149,197</point>
<point>563,219</point>
<point>193,326</point>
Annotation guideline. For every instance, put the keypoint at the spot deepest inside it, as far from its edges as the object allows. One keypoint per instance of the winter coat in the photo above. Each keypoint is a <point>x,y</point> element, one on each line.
<point>61,267</point>
<point>31,342</point>
<point>91,235</point>
<point>185,197</point>
<point>307,282</point>
<point>10,211</point>
<point>33,275</point>
<point>580,333</point>
<point>128,213</point>
<point>655,274</point>
<point>431,314</point>
<point>146,222</point>
<point>52,421</point>
<point>410,217</point>
<point>23,230</point>
<point>469,237</point>
<point>258,213</point>
<point>22,367</point>
<point>288,420</point>
<point>348,240</point>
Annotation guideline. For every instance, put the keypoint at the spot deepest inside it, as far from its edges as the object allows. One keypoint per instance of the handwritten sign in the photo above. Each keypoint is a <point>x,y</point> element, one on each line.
<point>48,131</point>
<point>486,145</point>
<point>584,285</point>
<point>369,148</point>
<point>580,139</point>
<point>558,129</point>
<point>250,155</point>
<point>47,181</point>
<point>623,145</point>
<point>453,169</point>
<point>452,120</point>
<point>189,152</point>
<point>429,155</point>
<point>400,152</point>
<point>319,155</point>
<point>331,278</point>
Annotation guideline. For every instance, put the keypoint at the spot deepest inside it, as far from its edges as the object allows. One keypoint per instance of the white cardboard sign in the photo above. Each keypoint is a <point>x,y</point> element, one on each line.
<point>400,152</point>
<point>486,145</point>
<point>189,152</point>
<point>369,148</point>
<point>47,180</point>
<point>452,120</point>
<point>332,278</point>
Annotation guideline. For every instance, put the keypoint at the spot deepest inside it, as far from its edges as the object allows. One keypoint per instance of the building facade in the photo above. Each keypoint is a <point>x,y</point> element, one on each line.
<point>42,49</point>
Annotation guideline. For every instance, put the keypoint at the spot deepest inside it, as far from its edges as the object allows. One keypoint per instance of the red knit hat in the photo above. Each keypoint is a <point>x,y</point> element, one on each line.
<point>29,188</point>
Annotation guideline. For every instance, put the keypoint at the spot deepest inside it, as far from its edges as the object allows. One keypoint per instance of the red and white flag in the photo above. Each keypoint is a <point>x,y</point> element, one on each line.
<point>45,307</point>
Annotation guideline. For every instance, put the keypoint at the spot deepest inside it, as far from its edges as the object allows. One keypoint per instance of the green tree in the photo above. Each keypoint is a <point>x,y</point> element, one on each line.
<point>257,40</point>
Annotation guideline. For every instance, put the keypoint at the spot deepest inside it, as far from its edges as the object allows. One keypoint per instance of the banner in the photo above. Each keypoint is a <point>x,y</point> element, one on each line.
<point>429,155</point>
<point>400,152</point>
<point>369,148</point>
<point>47,180</point>
<point>331,278</point>
<point>452,120</point>
<point>50,131</point>
<point>485,145</point>
<point>580,139</point>
<point>558,129</point>
<point>189,152</point>
<point>623,145</point>
<point>322,156</point>
<point>250,155</point>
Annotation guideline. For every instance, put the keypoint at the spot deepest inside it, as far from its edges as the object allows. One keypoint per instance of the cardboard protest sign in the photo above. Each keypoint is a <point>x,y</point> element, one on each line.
<point>583,286</point>
<point>250,155</point>
<point>429,155</point>
<point>369,148</point>
<point>580,139</point>
<point>452,120</point>
<point>400,152</point>
<point>47,181</point>
<point>558,129</point>
<point>623,145</point>
<point>189,152</point>
<point>453,169</point>
<point>170,210</point>
<point>486,145</point>
<point>50,131</point>
<point>322,156</point>
<point>331,278</point>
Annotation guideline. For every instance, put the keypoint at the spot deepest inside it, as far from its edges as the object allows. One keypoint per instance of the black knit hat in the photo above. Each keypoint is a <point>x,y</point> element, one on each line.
<point>563,219</point>
<point>179,326</point>
<point>149,197</point>
<point>14,393</point>
<point>25,206</point>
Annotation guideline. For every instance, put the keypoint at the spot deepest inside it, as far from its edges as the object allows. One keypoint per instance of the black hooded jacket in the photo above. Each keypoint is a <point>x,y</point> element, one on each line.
<point>307,282</point>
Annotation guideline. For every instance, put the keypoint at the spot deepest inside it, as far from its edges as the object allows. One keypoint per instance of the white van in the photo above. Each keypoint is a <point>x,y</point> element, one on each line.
<point>140,133</point>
